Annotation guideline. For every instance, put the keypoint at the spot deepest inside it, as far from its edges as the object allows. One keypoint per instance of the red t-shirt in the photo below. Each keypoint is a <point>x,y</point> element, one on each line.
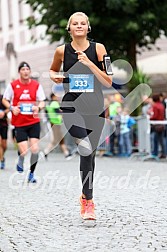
<point>158,111</point>
<point>24,94</point>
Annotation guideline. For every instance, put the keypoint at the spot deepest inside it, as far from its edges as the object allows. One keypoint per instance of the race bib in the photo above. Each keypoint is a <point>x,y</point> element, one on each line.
<point>26,108</point>
<point>81,83</point>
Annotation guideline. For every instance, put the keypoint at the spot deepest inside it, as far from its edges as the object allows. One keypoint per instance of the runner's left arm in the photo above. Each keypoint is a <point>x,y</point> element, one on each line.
<point>40,98</point>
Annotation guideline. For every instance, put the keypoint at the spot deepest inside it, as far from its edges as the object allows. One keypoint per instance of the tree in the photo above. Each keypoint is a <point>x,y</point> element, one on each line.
<point>122,25</point>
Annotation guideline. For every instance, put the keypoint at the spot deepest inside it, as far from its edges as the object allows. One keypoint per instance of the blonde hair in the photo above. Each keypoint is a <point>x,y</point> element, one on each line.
<point>77,14</point>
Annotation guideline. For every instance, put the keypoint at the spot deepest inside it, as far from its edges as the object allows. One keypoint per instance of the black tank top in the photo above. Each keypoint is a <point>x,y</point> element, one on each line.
<point>70,57</point>
<point>90,103</point>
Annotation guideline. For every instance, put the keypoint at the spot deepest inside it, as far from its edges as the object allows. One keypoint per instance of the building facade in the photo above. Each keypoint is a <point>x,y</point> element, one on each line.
<point>153,62</point>
<point>16,45</point>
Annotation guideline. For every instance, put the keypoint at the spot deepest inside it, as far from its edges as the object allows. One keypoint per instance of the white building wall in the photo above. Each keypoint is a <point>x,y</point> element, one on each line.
<point>38,55</point>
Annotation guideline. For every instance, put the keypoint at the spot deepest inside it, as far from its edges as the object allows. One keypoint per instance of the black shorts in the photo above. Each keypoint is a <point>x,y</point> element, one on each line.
<point>25,132</point>
<point>4,132</point>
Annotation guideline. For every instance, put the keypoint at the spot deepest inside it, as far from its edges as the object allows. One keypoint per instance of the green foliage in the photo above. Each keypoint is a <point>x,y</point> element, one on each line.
<point>138,78</point>
<point>114,22</point>
<point>119,24</point>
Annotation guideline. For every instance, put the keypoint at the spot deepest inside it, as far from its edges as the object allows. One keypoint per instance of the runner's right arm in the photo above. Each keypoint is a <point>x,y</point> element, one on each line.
<point>7,97</point>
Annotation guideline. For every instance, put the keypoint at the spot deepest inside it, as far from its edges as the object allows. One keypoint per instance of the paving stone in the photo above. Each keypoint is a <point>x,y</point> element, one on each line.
<point>130,199</point>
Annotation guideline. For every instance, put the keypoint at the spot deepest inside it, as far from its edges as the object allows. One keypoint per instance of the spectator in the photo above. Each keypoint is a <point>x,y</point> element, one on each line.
<point>117,132</point>
<point>147,105</point>
<point>163,99</point>
<point>106,130</point>
<point>55,119</point>
<point>3,132</point>
<point>113,105</point>
<point>158,130</point>
<point>125,133</point>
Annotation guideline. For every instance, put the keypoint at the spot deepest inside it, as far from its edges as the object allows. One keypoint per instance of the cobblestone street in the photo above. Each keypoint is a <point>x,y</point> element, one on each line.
<point>130,198</point>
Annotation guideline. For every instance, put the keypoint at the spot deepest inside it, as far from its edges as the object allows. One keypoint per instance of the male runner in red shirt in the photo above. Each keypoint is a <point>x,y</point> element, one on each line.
<point>27,99</point>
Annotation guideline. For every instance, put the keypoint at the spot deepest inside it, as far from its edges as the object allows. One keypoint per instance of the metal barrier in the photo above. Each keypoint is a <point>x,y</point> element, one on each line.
<point>144,138</point>
<point>144,145</point>
<point>140,134</point>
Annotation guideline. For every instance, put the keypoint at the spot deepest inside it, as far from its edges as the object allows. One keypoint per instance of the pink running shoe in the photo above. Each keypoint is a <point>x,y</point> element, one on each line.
<point>83,203</point>
<point>89,213</point>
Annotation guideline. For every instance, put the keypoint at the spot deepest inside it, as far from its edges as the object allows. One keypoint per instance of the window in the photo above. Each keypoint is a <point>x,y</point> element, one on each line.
<point>0,15</point>
<point>21,19</point>
<point>10,13</point>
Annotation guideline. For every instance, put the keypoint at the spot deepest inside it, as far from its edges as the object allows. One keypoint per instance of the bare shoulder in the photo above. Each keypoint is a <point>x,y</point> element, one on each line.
<point>100,46</point>
<point>60,51</point>
<point>58,58</point>
<point>101,51</point>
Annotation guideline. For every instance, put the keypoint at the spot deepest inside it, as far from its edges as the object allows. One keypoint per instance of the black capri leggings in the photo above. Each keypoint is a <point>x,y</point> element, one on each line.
<point>81,126</point>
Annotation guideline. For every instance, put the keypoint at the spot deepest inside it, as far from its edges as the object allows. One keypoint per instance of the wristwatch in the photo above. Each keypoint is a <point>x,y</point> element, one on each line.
<point>10,108</point>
